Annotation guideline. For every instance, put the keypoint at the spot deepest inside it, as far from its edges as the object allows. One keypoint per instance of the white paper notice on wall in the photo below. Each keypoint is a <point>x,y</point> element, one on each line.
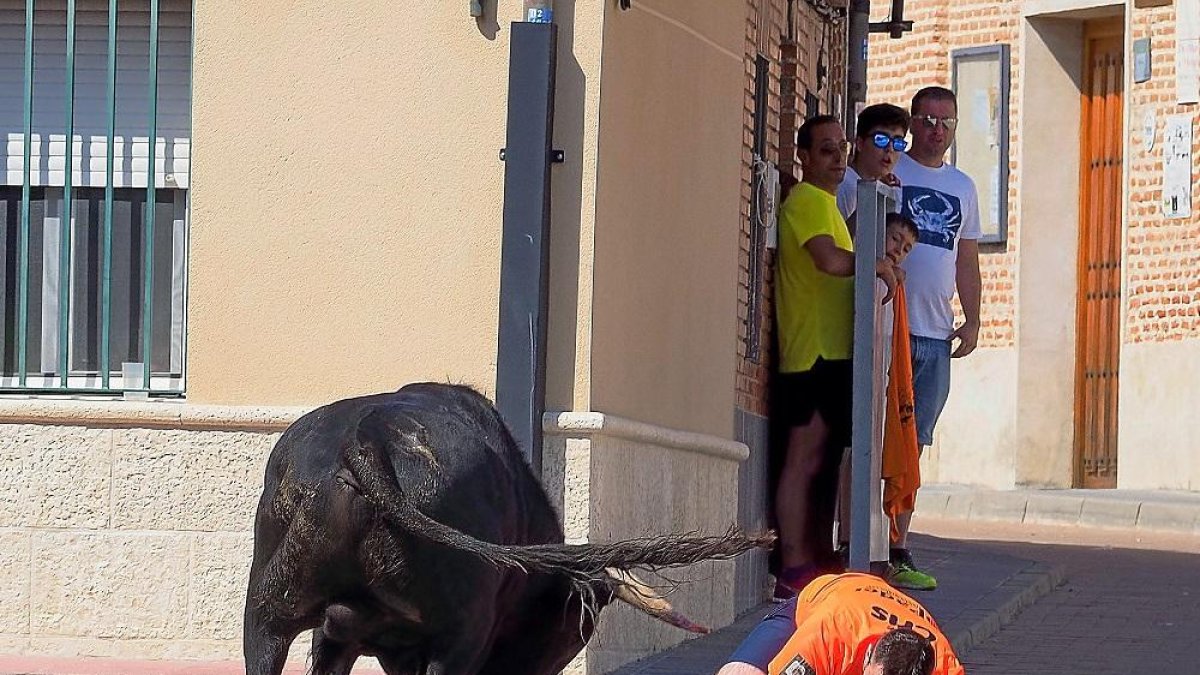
<point>1177,167</point>
<point>1187,51</point>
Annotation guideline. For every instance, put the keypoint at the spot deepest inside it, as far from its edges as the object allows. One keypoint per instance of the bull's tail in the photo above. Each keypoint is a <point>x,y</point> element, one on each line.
<point>584,564</point>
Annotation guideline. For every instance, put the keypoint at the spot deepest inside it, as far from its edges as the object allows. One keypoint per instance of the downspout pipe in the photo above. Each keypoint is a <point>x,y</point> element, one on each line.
<point>525,239</point>
<point>860,28</point>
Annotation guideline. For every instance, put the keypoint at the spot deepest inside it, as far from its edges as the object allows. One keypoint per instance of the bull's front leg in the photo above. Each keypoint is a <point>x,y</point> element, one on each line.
<point>265,649</point>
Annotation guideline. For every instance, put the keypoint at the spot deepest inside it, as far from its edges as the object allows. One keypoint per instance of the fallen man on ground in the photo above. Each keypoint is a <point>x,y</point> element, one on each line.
<point>846,624</point>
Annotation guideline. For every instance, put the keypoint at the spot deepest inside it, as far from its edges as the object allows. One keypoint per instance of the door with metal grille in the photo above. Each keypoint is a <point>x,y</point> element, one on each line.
<point>1099,301</point>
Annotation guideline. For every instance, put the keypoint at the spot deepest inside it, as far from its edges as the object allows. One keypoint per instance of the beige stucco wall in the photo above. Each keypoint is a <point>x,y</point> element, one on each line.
<point>346,209</point>
<point>667,222</point>
<point>613,478</point>
<point>975,439</point>
<point>1159,428</point>
<point>1049,217</point>
<point>573,194</point>
<point>128,540</point>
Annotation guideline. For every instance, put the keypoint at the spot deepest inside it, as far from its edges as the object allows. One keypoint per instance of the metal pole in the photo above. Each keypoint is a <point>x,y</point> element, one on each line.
<point>64,226</point>
<point>106,264</point>
<point>525,246</point>
<point>856,72</point>
<point>152,152</point>
<point>866,452</point>
<point>27,177</point>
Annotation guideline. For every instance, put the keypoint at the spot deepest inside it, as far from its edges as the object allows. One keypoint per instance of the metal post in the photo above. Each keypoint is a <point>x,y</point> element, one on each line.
<point>866,451</point>
<point>860,29</point>
<point>152,151</point>
<point>856,71</point>
<point>27,177</point>
<point>64,225</point>
<point>525,249</point>
<point>106,264</point>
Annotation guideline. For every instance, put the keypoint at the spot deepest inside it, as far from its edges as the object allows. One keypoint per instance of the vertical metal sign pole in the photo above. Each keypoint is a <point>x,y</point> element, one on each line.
<point>525,247</point>
<point>151,205</point>
<point>869,369</point>
<point>109,167</point>
<point>26,196</point>
<point>65,225</point>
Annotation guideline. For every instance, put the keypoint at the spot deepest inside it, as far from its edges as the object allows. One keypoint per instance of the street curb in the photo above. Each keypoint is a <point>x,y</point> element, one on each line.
<point>1034,583</point>
<point>1175,512</point>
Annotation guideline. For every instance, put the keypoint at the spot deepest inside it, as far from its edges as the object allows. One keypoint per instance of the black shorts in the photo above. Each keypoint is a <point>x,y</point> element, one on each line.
<point>825,388</point>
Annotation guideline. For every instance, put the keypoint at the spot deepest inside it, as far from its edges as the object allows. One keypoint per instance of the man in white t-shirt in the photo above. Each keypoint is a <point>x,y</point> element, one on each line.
<point>944,204</point>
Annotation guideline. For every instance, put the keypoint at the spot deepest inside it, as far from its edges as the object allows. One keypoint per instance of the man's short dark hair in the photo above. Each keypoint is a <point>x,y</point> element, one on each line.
<point>932,94</point>
<point>804,137</point>
<point>904,652</point>
<point>879,116</point>
<point>902,221</point>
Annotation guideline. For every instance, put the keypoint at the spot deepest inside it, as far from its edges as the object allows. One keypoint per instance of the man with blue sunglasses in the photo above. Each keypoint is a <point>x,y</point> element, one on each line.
<point>878,145</point>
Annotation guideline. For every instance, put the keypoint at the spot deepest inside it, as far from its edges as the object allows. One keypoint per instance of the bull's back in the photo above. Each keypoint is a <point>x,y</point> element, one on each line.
<point>467,472</point>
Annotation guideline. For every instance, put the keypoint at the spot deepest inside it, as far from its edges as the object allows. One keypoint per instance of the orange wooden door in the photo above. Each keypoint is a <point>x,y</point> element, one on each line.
<point>1099,301</point>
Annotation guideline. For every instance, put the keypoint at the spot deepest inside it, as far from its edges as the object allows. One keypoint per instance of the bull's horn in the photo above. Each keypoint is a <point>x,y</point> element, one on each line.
<point>635,592</point>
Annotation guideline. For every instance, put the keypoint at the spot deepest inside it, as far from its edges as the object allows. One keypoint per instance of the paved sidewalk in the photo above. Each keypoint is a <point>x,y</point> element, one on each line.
<point>979,591</point>
<point>1129,604</point>
<point>1147,510</point>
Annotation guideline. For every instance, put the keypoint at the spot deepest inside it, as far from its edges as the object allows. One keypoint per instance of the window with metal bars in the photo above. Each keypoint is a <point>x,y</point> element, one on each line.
<point>92,282</point>
<point>754,284</point>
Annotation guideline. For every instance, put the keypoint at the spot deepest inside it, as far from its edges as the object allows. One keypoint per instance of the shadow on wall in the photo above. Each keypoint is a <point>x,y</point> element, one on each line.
<point>566,212</point>
<point>488,26</point>
<point>566,200</point>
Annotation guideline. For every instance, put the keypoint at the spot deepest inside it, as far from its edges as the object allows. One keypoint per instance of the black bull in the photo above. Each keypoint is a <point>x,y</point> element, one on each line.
<point>408,527</point>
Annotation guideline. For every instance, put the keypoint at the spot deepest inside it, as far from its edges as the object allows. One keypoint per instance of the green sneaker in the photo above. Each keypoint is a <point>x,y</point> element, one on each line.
<point>904,574</point>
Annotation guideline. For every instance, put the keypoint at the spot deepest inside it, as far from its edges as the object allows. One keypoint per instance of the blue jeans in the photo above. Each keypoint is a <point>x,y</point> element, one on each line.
<point>931,383</point>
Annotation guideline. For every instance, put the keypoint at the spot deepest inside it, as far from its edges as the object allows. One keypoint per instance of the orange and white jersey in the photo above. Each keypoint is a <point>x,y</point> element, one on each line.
<point>838,615</point>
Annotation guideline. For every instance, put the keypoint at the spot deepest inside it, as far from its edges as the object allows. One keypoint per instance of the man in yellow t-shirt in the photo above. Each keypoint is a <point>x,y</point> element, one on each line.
<point>846,624</point>
<point>815,314</point>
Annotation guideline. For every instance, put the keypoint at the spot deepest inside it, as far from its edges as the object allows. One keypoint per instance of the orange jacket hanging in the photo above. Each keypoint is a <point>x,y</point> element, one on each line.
<point>901,454</point>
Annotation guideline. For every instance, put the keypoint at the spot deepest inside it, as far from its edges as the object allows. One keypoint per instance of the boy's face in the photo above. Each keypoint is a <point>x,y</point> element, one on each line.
<point>873,162</point>
<point>898,242</point>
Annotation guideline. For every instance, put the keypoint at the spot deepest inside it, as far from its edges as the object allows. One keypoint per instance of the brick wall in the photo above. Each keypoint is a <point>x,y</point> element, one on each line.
<point>1163,292</point>
<point>896,69</point>
<point>793,72</point>
<point>1162,255</point>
